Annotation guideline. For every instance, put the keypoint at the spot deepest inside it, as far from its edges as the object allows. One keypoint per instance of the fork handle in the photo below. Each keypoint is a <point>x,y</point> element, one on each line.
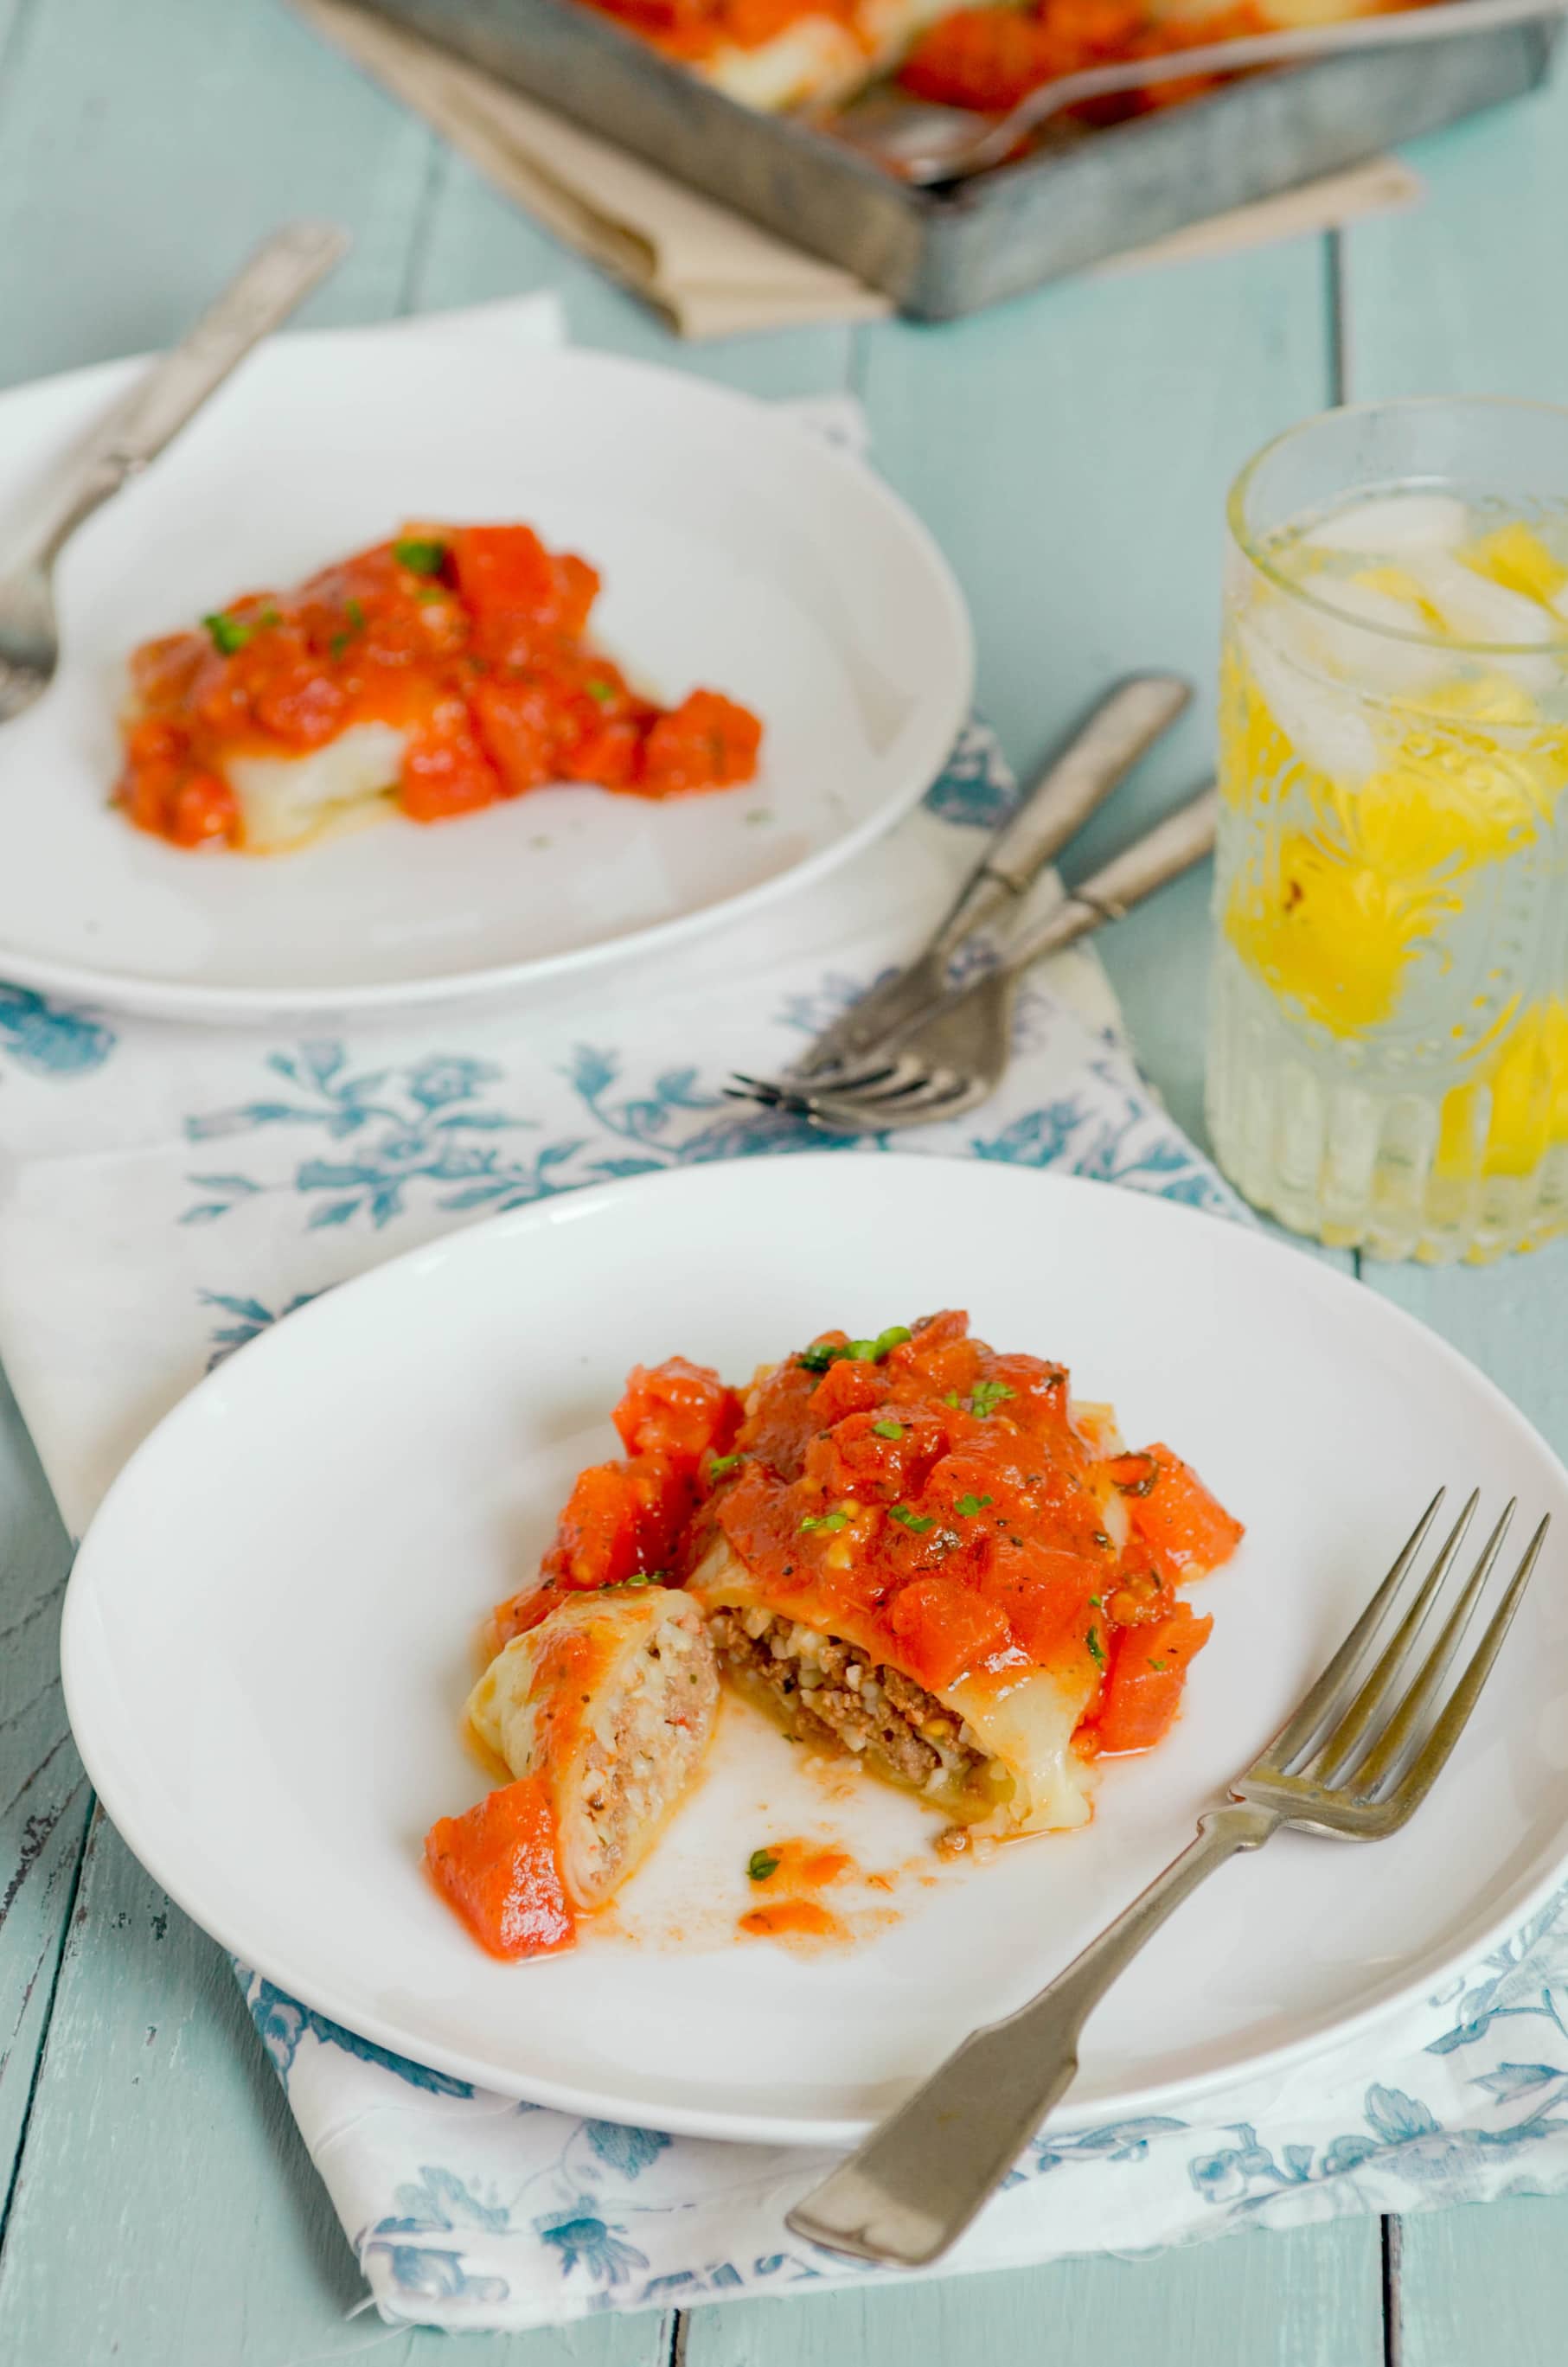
<point>278,277</point>
<point>1128,722</point>
<point>1172,848</point>
<point>917,2181</point>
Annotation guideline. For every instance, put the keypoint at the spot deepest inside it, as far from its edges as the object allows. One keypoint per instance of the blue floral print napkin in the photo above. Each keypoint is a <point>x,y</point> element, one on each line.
<point>168,1193</point>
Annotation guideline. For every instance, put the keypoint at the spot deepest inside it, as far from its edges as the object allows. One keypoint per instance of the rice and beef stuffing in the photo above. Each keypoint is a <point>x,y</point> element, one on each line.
<point>832,1696</point>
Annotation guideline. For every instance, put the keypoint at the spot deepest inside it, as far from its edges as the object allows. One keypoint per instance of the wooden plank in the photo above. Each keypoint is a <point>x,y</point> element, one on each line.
<point>1070,453</point>
<point>143,151</point>
<point>43,1792</point>
<point>1459,297</point>
<point>474,246</point>
<point>1310,2298</point>
<point>165,2210</point>
<point>1486,2282</point>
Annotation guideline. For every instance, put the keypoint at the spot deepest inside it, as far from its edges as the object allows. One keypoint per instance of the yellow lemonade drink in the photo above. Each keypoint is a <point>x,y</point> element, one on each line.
<point>1388,1063</point>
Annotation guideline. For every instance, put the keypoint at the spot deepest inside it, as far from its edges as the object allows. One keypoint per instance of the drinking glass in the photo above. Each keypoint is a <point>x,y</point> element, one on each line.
<point>1387,1058</point>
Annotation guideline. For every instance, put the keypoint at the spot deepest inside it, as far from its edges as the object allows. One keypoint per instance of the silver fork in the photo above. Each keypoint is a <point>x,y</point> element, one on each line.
<point>948,1059</point>
<point>926,143</point>
<point>1126,722</point>
<point>275,280</point>
<point>1355,1763</point>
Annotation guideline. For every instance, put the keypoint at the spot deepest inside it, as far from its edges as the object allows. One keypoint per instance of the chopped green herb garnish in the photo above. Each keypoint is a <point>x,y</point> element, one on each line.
<point>428,591</point>
<point>952,1399</point>
<point>718,1463</point>
<point>825,1521</point>
<point>859,1352</point>
<point>967,1506</point>
<point>760,1864</point>
<point>355,613</point>
<point>1096,1649</point>
<point>988,1395</point>
<point>601,693</point>
<point>913,1519</point>
<point>338,643</point>
<point>1097,1602</point>
<point>886,1428</point>
<point>1160,1666</point>
<point>270,616</point>
<point>227,633</point>
<point>420,556</point>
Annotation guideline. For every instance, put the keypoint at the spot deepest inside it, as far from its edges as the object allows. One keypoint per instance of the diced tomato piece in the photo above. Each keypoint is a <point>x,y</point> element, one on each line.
<point>1148,1673</point>
<point>677,1410</point>
<point>444,770</point>
<point>1046,1593</point>
<point>607,755</point>
<point>707,743</point>
<point>498,1867</point>
<point>299,703</point>
<point>1188,1533</point>
<point>519,725</point>
<point>596,1540</point>
<point>620,1519</point>
<point>204,808</point>
<point>982,58</point>
<point>943,1629</point>
<point>850,1385</point>
<point>880,1455</point>
<point>505,571</point>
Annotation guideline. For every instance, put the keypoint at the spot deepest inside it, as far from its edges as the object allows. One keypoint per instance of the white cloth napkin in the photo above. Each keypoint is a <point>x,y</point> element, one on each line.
<point>168,1193</point>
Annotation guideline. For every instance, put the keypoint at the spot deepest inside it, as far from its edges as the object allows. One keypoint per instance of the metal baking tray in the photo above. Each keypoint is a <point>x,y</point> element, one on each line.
<point>942,253</point>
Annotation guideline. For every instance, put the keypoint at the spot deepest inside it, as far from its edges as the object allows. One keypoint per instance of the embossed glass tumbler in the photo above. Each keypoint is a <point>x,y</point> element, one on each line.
<point>1387,1058</point>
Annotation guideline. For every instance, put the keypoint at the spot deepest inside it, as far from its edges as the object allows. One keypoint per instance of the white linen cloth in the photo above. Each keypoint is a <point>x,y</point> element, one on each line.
<point>167,1193</point>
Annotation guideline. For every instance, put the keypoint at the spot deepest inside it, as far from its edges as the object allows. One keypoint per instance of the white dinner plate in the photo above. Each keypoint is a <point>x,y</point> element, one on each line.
<point>738,552</point>
<point>268,1640</point>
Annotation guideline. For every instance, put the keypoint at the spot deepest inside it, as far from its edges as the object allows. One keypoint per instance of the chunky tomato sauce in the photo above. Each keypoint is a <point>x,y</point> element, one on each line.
<point>991,58</point>
<point>472,642</point>
<point>694,29</point>
<point>937,1499</point>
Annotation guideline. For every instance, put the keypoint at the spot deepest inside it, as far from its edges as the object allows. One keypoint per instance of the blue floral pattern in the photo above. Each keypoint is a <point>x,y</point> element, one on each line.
<point>49,1039</point>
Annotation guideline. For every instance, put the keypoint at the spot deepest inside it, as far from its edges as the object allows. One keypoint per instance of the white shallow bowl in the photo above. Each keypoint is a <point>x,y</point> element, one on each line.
<point>738,552</point>
<point>267,1645</point>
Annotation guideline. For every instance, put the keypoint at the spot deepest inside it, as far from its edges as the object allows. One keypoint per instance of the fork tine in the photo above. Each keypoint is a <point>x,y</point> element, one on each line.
<point>1333,1685</point>
<point>1434,1756</point>
<point>1393,1746</point>
<point>1341,1746</point>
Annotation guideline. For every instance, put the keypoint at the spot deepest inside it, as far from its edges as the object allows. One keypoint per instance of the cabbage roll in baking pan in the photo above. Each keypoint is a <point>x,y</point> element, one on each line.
<point>610,1703</point>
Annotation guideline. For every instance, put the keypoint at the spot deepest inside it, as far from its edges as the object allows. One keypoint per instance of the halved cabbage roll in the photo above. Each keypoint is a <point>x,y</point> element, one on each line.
<point>991,1749</point>
<point>610,1701</point>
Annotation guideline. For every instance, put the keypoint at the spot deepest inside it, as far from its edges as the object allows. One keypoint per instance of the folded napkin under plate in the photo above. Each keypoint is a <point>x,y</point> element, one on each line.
<point>170,1192</point>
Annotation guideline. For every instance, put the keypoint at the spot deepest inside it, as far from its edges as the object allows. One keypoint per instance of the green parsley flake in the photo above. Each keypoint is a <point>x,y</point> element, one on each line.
<point>227,633</point>
<point>1159,1666</point>
<point>952,1398</point>
<point>1096,1649</point>
<point>886,1428</point>
<point>718,1463</point>
<point>830,1520</point>
<point>601,693</point>
<point>860,1352</point>
<point>988,1395</point>
<point>967,1506</point>
<point>1097,1602</point>
<point>913,1519</point>
<point>761,1863</point>
<point>420,555</point>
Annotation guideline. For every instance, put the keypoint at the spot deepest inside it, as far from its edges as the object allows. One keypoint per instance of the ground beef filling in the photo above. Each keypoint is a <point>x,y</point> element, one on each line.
<point>833,1698</point>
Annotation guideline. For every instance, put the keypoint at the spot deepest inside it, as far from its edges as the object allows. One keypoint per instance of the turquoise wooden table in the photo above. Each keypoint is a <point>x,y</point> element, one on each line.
<point>1070,453</point>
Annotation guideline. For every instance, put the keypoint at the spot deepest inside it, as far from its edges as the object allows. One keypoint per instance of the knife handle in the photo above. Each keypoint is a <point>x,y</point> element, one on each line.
<point>278,277</point>
<point>1126,722</point>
